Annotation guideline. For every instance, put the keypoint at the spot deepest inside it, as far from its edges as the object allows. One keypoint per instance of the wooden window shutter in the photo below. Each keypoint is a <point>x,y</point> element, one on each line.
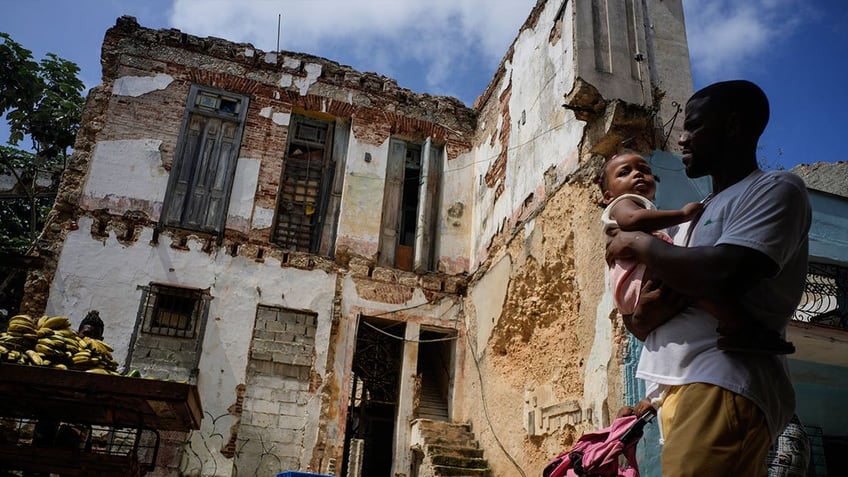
<point>428,203</point>
<point>390,223</point>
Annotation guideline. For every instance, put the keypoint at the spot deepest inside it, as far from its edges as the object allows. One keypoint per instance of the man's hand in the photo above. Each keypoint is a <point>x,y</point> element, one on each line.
<point>657,304</point>
<point>627,245</point>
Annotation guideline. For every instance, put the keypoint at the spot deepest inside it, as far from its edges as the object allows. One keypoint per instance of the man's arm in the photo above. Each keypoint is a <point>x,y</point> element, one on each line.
<point>720,272</point>
<point>657,304</point>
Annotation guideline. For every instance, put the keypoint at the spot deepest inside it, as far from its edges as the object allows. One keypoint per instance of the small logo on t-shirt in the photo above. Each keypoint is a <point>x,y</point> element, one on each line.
<point>711,221</point>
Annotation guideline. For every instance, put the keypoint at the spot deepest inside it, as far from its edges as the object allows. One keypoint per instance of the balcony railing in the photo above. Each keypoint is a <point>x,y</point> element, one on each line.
<point>825,299</point>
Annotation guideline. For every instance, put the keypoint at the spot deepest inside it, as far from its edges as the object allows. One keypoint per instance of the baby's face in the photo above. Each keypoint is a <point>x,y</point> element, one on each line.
<point>629,174</point>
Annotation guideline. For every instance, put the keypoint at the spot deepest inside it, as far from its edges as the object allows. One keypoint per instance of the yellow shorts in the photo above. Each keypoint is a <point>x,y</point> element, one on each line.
<point>710,431</point>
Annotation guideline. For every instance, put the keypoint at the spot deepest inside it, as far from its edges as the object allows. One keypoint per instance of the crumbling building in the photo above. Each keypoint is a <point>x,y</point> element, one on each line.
<point>342,265</point>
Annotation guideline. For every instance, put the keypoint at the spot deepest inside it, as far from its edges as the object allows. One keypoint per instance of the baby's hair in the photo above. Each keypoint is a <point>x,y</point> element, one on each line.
<point>601,180</point>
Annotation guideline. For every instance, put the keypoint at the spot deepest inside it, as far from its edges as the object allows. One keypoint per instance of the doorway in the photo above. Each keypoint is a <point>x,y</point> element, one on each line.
<point>435,365</point>
<point>374,394</point>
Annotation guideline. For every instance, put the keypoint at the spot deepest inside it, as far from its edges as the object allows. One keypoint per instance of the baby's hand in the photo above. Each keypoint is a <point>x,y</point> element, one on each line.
<point>642,407</point>
<point>692,210</point>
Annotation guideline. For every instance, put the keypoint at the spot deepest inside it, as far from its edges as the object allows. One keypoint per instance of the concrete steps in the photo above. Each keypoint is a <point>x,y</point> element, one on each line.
<point>448,449</point>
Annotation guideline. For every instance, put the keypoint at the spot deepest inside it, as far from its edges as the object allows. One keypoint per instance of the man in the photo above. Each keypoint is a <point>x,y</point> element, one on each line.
<point>721,410</point>
<point>91,326</point>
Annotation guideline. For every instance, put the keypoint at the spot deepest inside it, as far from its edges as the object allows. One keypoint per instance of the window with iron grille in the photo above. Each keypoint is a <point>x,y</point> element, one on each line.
<point>305,183</point>
<point>825,298</point>
<point>173,311</point>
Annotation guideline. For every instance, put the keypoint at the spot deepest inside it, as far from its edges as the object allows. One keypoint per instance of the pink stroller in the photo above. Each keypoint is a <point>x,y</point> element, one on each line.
<point>596,454</point>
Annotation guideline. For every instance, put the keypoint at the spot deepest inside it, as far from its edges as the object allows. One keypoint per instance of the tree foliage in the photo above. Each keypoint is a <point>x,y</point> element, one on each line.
<point>42,102</point>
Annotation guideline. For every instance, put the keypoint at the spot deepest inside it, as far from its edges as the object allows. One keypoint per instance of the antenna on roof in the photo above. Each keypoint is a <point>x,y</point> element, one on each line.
<point>279,16</point>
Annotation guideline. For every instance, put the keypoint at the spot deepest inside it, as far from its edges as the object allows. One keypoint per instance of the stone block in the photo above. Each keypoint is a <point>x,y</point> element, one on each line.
<point>170,344</point>
<point>291,409</point>
<point>258,406</point>
<point>296,329</point>
<point>261,355</point>
<point>263,419</point>
<point>259,392</point>
<point>291,422</point>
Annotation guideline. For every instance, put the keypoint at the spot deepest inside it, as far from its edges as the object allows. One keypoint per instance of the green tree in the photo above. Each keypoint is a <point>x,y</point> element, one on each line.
<point>42,101</point>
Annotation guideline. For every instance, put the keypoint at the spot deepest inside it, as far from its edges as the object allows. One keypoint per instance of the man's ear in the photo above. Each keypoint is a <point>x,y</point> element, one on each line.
<point>733,125</point>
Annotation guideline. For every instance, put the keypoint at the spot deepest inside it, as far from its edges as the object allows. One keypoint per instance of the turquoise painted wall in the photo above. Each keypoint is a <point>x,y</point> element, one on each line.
<point>829,231</point>
<point>821,391</point>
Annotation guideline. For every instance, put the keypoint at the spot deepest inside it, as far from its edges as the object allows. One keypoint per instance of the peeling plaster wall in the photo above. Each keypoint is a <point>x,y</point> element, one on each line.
<point>455,218</point>
<point>104,275</point>
<point>547,343</point>
<point>524,130</point>
<point>524,238</point>
<point>105,241</point>
<point>362,206</point>
<point>138,163</point>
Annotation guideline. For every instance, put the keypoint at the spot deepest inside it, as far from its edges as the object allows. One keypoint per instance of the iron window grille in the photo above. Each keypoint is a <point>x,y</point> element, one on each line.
<point>825,298</point>
<point>173,311</point>
<point>305,184</point>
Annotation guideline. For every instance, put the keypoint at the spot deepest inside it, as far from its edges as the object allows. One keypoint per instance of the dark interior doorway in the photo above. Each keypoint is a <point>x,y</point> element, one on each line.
<point>374,395</point>
<point>435,365</point>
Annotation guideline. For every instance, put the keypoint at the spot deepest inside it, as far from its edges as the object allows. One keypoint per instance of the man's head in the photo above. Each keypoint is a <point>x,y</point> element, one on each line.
<point>91,325</point>
<point>723,122</point>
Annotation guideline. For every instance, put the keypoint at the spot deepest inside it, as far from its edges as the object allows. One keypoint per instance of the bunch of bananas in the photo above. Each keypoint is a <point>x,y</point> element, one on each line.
<point>50,341</point>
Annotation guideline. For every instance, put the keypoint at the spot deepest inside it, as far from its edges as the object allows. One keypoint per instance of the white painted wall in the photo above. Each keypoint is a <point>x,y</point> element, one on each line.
<point>243,194</point>
<point>548,136</point>
<point>104,275</point>
<point>362,196</point>
<point>140,85</point>
<point>455,220</point>
<point>126,175</point>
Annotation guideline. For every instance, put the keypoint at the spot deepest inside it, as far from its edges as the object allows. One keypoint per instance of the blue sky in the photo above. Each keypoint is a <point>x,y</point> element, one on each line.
<point>796,50</point>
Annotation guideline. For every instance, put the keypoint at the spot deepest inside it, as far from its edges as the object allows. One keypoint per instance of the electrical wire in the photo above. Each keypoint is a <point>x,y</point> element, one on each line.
<point>486,408</point>
<point>401,338</point>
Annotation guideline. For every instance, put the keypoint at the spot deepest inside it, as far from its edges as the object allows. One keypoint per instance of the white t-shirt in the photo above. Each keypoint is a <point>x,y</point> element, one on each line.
<point>768,212</point>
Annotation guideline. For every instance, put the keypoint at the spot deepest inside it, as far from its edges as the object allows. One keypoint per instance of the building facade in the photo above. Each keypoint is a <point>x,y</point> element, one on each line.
<point>338,262</point>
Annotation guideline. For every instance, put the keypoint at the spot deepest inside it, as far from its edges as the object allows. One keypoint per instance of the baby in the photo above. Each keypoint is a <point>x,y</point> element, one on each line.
<point>629,186</point>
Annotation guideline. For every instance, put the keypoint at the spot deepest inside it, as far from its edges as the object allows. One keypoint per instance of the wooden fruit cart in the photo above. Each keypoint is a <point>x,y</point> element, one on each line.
<point>102,425</point>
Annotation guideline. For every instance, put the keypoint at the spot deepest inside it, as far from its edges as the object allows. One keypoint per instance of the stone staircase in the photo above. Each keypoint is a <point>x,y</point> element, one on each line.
<point>431,404</point>
<point>446,449</point>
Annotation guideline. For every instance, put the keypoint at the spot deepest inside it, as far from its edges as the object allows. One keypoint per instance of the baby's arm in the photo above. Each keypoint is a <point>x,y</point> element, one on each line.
<point>631,216</point>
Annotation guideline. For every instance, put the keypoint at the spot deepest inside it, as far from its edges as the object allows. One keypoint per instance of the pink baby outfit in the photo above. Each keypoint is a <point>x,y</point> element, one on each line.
<point>626,275</point>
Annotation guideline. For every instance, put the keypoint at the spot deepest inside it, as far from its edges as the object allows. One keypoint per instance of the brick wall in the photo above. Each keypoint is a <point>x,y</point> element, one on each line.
<point>274,414</point>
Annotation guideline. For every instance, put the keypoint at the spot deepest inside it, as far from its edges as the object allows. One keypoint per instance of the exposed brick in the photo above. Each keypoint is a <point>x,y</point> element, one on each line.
<point>431,282</point>
<point>385,275</point>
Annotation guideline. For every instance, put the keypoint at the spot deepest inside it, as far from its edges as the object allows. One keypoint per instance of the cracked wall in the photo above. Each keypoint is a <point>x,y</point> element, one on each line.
<point>520,263</point>
<point>104,239</point>
<point>546,342</point>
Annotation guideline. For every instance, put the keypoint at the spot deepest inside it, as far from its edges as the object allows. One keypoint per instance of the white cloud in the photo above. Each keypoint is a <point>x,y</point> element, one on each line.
<point>386,36</point>
<point>726,36</point>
